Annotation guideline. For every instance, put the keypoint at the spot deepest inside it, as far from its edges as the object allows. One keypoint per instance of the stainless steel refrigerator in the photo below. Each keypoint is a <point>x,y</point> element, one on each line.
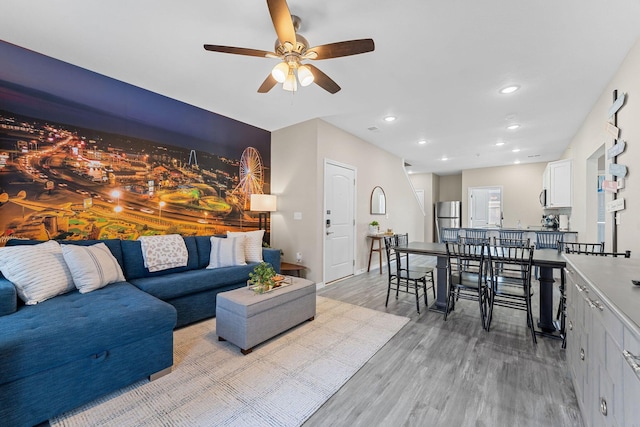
<point>448,215</point>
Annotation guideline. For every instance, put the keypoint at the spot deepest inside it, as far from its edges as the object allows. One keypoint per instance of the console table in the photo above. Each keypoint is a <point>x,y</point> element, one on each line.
<point>375,238</point>
<point>289,268</point>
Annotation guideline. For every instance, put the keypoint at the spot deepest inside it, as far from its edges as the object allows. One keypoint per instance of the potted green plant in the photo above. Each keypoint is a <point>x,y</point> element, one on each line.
<point>262,278</point>
<point>374,227</point>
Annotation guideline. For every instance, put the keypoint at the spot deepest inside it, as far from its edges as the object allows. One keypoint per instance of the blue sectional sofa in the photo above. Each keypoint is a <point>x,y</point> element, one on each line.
<point>73,348</point>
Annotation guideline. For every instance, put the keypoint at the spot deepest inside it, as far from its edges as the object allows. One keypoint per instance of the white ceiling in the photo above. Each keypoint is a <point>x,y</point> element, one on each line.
<point>437,66</point>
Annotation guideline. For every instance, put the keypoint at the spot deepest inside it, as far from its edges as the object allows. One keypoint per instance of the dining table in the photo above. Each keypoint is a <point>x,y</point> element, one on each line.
<point>547,260</point>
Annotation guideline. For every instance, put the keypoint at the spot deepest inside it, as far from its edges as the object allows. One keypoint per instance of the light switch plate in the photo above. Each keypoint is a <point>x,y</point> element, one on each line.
<point>297,215</point>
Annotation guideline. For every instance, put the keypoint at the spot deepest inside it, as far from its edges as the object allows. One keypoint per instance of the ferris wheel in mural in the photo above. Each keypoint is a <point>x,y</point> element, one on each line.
<point>251,177</point>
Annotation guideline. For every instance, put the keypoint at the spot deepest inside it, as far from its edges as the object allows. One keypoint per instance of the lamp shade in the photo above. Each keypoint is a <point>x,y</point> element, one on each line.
<point>263,203</point>
<point>304,75</point>
<point>290,84</point>
<point>280,72</point>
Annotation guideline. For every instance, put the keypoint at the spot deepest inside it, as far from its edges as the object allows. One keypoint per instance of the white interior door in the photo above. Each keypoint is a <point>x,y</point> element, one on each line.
<point>478,203</point>
<point>485,206</point>
<point>339,221</point>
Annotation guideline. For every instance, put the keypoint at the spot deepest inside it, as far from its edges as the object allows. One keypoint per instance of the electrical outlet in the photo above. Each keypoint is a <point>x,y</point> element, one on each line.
<point>299,257</point>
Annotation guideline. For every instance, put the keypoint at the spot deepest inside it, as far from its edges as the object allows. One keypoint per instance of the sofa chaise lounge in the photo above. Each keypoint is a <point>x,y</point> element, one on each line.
<point>68,350</point>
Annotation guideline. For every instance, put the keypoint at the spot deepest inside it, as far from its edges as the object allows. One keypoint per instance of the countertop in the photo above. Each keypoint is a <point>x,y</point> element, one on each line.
<point>531,228</point>
<point>611,279</point>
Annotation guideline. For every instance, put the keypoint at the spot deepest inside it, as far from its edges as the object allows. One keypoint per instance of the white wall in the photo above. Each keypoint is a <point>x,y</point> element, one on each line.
<point>450,188</point>
<point>298,154</point>
<point>521,186</point>
<point>589,138</point>
<point>294,182</point>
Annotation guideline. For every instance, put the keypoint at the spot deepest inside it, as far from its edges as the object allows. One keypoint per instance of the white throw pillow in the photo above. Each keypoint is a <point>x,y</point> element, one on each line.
<point>227,252</point>
<point>92,267</point>
<point>37,271</point>
<point>253,244</point>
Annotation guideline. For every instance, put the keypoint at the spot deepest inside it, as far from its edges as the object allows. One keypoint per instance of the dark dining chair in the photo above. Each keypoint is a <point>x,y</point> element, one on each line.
<point>449,235</point>
<point>511,234</point>
<point>510,281</point>
<point>505,236</point>
<point>555,240</point>
<point>549,239</point>
<point>625,254</point>
<point>584,248</point>
<point>512,242</point>
<point>508,239</point>
<point>403,259</point>
<point>400,280</point>
<point>467,277</point>
<point>593,249</point>
<point>475,236</point>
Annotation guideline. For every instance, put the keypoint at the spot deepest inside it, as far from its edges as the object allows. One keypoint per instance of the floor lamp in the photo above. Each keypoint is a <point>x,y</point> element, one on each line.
<point>263,204</point>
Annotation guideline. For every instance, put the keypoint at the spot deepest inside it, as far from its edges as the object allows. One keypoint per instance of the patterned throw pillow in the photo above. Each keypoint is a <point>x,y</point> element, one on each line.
<point>164,252</point>
<point>92,267</point>
<point>227,252</point>
<point>253,244</point>
<point>37,271</point>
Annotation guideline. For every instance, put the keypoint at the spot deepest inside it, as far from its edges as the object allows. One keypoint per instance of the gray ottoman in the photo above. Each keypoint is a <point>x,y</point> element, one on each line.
<point>247,319</point>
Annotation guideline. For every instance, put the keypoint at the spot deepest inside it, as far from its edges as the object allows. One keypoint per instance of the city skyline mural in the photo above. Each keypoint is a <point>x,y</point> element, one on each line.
<point>84,156</point>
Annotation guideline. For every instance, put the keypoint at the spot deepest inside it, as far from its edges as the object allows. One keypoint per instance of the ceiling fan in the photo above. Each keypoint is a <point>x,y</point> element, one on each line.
<point>292,48</point>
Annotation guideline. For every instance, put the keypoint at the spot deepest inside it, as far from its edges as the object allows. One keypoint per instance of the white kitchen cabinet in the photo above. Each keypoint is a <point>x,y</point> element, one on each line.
<point>603,339</point>
<point>631,378</point>
<point>557,180</point>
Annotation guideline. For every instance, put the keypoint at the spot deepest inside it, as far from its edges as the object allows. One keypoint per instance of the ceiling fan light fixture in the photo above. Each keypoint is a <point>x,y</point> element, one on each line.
<point>304,75</point>
<point>290,84</point>
<point>280,72</point>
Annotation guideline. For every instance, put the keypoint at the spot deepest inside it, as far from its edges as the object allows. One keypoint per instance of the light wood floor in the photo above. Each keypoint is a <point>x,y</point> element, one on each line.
<point>453,373</point>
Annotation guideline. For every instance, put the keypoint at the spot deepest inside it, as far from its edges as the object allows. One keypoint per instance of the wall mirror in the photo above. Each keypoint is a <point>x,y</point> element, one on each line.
<point>378,202</point>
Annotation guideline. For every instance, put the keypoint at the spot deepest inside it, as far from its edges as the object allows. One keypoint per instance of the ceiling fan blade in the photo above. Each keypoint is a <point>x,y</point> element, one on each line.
<point>268,84</point>
<point>336,50</point>
<point>239,51</point>
<point>282,21</point>
<point>322,80</point>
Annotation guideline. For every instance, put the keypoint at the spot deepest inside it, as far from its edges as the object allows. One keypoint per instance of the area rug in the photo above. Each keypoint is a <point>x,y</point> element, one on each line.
<point>281,383</point>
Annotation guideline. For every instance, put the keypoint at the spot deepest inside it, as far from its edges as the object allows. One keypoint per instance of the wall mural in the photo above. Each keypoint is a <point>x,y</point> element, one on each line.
<point>84,156</point>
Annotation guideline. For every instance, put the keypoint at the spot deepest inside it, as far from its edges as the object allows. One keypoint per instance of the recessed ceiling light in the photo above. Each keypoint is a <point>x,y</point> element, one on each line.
<point>509,89</point>
<point>389,118</point>
<point>513,126</point>
<point>517,162</point>
<point>422,141</point>
<point>499,144</point>
<point>444,158</point>
<point>515,150</point>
